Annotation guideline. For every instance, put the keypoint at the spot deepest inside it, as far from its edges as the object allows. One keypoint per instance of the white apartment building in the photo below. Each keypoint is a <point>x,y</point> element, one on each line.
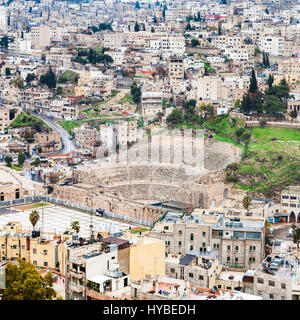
<point>151,104</point>
<point>3,19</point>
<point>274,45</point>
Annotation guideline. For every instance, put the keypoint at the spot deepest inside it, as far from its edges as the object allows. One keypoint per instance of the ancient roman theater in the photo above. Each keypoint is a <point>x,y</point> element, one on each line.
<point>129,183</point>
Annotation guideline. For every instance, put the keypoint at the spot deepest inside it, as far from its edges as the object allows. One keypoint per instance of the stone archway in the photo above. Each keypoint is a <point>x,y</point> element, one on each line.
<point>292,217</point>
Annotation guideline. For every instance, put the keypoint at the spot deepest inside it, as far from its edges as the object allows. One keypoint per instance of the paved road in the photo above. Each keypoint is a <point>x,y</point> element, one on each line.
<point>68,145</point>
<point>281,232</point>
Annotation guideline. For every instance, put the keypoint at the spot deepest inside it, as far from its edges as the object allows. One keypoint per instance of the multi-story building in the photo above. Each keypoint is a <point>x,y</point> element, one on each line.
<point>151,104</point>
<point>49,142</point>
<point>278,277</point>
<point>201,269</point>
<point>239,241</point>
<point>17,243</point>
<point>92,271</point>
<point>290,203</point>
<point>86,137</point>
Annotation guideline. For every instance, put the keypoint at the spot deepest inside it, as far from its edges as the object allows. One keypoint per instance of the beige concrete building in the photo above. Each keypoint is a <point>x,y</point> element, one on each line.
<point>290,203</point>
<point>17,243</point>
<point>10,191</point>
<point>199,268</point>
<point>278,277</point>
<point>49,142</point>
<point>151,104</point>
<point>239,241</point>
<point>86,137</point>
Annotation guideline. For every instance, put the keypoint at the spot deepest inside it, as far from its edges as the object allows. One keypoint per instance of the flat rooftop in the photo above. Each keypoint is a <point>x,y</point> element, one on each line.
<point>56,219</point>
<point>292,189</point>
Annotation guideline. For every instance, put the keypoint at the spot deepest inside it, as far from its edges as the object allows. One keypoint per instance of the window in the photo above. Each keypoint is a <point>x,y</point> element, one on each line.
<point>228,259</point>
<point>236,259</point>
<point>203,234</point>
<point>271,283</point>
<point>34,251</point>
<point>192,237</point>
<point>34,262</point>
<point>45,264</point>
<point>179,243</point>
<point>236,248</point>
<point>283,286</point>
<point>167,243</point>
<point>228,247</point>
<point>180,232</point>
<point>201,278</point>
<point>191,247</point>
<point>260,280</point>
<point>253,259</point>
<point>166,228</point>
<point>271,296</point>
<point>45,252</point>
<point>191,275</point>
<point>203,244</point>
<point>172,270</point>
<point>23,247</point>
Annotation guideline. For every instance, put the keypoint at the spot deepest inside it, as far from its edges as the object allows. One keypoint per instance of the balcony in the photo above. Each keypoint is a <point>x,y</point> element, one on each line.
<point>77,275</point>
<point>76,288</point>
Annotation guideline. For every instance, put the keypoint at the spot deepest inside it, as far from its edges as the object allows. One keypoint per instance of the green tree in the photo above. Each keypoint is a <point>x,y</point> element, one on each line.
<point>18,82</point>
<point>34,217</point>
<point>270,81</point>
<point>21,158</point>
<point>59,91</point>
<point>188,27</point>
<point>273,104</point>
<point>175,117</point>
<point>247,203</point>
<point>237,104</point>
<point>7,72</point>
<point>141,122</point>
<point>36,162</point>
<point>8,160</point>
<point>195,42</point>
<point>49,79</point>
<point>75,226</point>
<point>294,114</point>
<point>136,27</point>
<point>189,106</point>
<point>296,234</point>
<point>189,18</point>
<point>23,282</point>
<point>164,12</point>
<point>30,77</point>
<point>253,82</point>
<point>136,93</point>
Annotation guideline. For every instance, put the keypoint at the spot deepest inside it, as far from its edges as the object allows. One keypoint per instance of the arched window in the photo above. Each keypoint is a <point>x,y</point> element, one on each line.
<point>17,193</point>
<point>292,217</point>
<point>2,196</point>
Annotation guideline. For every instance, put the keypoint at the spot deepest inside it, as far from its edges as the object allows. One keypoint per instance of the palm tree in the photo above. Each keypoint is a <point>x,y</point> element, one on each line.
<point>75,226</point>
<point>34,217</point>
<point>246,203</point>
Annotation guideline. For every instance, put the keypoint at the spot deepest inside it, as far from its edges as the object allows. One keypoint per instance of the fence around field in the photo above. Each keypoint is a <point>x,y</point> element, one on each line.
<point>73,205</point>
